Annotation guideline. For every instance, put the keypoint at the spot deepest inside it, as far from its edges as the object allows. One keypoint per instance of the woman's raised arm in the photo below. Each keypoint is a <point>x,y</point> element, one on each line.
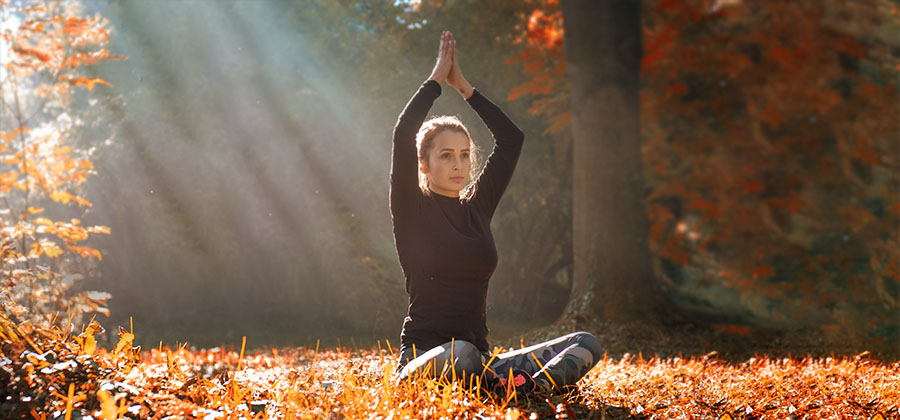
<point>404,180</point>
<point>508,139</point>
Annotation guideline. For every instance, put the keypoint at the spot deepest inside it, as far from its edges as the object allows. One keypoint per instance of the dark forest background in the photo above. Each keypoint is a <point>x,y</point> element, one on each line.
<point>242,157</point>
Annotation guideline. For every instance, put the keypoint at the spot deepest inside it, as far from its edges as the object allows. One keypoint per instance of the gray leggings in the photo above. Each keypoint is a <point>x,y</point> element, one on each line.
<point>560,362</point>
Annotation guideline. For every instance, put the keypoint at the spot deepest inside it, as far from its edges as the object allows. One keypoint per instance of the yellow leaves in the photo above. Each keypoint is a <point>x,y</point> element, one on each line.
<point>82,201</point>
<point>8,136</point>
<point>513,414</point>
<point>71,232</point>
<point>45,247</point>
<point>363,384</point>
<point>99,229</point>
<point>34,210</point>
<point>44,225</point>
<point>85,252</point>
<point>64,197</point>
<point>126,340</point>
<point>61,196</point>
<point>107,406</point>
<point>86,341</point>
<point>90,82</point>
<point>7,179</point>
<point>62,150</point>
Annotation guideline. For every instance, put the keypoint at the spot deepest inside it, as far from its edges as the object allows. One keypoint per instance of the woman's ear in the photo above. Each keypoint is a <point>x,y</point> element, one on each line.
<point>423,167</point>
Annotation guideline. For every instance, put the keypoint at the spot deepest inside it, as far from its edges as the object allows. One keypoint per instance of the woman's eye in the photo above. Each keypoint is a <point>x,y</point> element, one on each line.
<point>465,155</point>
<point>445,156</point>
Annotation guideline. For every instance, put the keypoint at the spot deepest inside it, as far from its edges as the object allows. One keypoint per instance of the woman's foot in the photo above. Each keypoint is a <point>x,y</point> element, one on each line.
<point>519,382</point>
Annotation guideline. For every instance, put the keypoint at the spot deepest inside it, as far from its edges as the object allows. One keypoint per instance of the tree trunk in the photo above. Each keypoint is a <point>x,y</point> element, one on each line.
<point>613,275</point>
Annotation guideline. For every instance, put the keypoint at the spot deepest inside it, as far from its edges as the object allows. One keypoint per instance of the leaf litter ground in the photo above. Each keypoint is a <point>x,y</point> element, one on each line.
<point>48,374</point>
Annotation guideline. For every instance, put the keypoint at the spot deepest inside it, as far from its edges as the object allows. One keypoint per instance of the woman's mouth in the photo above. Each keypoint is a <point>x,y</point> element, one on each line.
<point>457,178</point>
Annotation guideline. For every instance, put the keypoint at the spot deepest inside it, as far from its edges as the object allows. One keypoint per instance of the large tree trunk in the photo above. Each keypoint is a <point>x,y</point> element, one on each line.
<point>613,275</point>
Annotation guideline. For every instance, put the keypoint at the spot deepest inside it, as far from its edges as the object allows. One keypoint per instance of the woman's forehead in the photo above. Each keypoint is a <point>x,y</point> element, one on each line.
<point>448,139</point>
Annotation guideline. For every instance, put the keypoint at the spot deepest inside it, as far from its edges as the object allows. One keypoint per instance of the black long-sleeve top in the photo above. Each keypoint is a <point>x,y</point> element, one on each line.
<point>444,243</point>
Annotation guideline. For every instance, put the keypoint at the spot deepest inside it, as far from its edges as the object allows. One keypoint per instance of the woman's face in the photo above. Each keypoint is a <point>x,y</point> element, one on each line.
<point>448,164</point>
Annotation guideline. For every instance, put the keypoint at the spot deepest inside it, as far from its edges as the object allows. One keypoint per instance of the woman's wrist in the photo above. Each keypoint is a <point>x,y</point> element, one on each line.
<point>465,89</point>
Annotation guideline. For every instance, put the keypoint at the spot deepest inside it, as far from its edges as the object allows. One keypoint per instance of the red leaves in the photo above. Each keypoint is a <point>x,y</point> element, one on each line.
<point>25,51</point>
<point>783,141</point>
<point>763,271</point>
<point>545,27</point>
<point>676,89</point>
<point>656,45</point>
<point>851,47</point>
<point>864,153</point>
<point>75,26</point>
<point>753,187</point>
<point>708,209</point>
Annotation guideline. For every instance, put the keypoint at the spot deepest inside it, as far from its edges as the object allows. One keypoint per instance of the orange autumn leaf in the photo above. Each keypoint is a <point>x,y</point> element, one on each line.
<point>98,229</point>
<point>9,136</point>
<point>85,252</point>
<point>90,82</point>
<point>62,150</point>
<point>32,51</point>
<point>45,247</point>
<point>82,201</point>
<point>75,26</point>
<point>61,196</point>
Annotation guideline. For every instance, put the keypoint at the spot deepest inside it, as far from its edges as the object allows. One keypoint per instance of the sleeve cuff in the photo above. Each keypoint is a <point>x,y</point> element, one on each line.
<point>434,85</point>
<point>475,93</point>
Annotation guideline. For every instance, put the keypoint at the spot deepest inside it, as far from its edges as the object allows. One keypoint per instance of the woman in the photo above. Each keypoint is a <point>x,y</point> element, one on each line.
<point>444,243</point>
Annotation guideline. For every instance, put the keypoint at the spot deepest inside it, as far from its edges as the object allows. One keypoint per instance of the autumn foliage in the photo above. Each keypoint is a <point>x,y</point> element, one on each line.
<point>45,49</point>
<point>769,143</point>
<point>50,374</point>
<point>772,158</point>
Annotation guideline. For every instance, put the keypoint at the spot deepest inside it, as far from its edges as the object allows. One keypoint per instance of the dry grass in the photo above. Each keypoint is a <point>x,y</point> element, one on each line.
<point>48,374</point>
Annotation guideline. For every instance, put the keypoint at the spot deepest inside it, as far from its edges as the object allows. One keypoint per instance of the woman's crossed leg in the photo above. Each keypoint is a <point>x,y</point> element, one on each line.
<point>556,363</point>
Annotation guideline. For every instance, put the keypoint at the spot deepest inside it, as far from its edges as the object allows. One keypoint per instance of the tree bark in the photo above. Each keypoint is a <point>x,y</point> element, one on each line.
<point>613,275</point>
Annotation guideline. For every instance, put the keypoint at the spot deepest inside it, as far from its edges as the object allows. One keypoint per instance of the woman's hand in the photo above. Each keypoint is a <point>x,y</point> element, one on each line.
<point>455,78</point>
<point>444,60</point>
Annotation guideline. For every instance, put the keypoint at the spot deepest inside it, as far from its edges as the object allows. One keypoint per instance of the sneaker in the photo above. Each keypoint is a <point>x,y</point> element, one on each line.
<point>520,382</point>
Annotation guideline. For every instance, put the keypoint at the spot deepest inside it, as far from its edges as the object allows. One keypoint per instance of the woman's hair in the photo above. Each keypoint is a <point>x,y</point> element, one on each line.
<point>425,142</point>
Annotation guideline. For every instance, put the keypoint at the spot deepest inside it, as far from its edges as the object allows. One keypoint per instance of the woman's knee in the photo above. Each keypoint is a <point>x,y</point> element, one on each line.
<point>466,357</point>
<point>589,342</point>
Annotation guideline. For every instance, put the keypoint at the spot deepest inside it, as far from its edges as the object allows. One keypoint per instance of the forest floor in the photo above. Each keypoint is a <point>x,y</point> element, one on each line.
<point>47,373</point>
